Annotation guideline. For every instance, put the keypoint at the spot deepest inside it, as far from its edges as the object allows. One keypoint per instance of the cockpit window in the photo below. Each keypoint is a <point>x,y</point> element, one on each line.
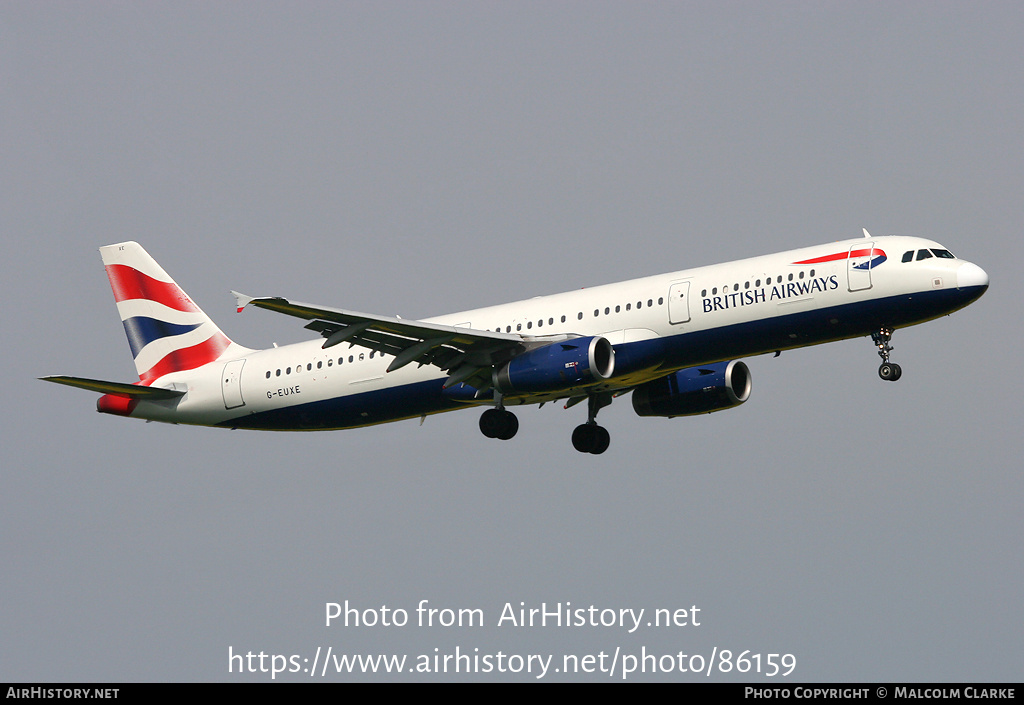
<point>908,255</point>
<point>923,254</point>
<point>943,254</point>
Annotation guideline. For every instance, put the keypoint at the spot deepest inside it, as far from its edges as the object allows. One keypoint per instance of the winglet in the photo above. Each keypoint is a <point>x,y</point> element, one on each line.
<point>866,233</point>
<point>242,300</point>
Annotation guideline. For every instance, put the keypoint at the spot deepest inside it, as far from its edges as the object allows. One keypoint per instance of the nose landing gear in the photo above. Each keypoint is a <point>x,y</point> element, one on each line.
<point>889,371</point>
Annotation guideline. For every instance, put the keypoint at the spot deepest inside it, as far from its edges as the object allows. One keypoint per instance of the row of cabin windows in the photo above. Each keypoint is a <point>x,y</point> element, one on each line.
<point>519,326</point>
<point>908,256</point>
<point>757,283</point>
<point>579,316</point>
<point>508,329</point>
<point>320,364</point>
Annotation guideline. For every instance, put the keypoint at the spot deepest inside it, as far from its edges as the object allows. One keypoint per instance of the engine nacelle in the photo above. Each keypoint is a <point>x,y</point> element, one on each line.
<point>562,365</point>
<point>695,390</point>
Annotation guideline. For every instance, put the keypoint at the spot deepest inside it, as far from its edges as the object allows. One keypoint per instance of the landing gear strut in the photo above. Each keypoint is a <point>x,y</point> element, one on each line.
<point>589,437</point>
<point>889,371</point>
<point>499,423</point>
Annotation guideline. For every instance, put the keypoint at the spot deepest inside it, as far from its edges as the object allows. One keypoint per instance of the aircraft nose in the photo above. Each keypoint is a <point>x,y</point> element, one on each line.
<point>970,275</point>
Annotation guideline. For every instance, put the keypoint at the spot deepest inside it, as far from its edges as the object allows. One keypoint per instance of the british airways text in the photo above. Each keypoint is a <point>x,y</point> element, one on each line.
<point>762,294</point>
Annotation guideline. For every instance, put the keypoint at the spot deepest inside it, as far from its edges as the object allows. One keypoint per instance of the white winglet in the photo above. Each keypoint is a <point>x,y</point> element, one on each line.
<point>242,300</point>
<point>866,233</point>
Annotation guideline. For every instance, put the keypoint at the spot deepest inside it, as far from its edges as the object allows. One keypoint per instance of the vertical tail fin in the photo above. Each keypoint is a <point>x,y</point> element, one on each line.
<point>167,332</point>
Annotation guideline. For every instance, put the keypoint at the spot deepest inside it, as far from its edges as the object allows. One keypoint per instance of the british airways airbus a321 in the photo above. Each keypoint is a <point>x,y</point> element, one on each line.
<point>673,340</point>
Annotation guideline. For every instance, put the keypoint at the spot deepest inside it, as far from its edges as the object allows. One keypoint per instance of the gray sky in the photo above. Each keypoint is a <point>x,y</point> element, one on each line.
<point>417,159</point>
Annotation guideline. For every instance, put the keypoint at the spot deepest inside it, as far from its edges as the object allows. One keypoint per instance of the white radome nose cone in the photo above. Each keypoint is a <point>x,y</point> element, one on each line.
<point>969,275</point>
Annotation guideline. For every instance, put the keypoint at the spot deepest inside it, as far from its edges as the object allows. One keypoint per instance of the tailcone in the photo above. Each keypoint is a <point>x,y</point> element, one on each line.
<point>116,405</point>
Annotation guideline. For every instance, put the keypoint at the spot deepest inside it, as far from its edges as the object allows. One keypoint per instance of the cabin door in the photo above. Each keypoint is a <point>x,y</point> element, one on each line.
<point>858,266</point>
<point>231,384</point>
<point>679,302</point>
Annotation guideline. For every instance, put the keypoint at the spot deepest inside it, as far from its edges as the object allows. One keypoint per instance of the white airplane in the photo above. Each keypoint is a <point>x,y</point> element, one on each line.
<point>673,340</point>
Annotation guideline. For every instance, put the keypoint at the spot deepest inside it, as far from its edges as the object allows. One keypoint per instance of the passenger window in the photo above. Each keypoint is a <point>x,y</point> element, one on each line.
<point>923,254</point>
<point>268,374</point>
<point>563,319</point>
<point>580,315</point>
<point>607,310</point>
<point>908,256</point>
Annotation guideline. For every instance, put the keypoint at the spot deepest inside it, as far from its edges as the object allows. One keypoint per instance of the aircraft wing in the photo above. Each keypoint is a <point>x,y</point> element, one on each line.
<point>467,354</point>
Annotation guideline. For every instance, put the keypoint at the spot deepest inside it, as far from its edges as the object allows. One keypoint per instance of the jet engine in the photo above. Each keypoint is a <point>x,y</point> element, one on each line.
<point>695,390</point>
<point>562,365</point>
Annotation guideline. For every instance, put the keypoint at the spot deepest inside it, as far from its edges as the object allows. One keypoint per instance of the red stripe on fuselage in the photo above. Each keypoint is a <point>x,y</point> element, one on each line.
<point>841,255</point>
<point>129,283</point>
<point>188,358</point>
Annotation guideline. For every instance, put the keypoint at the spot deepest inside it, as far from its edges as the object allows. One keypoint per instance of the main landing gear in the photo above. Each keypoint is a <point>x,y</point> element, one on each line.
<point>499,423</point>
<point>889,371</point>
<point>586,438</point>
<point>589,437</point>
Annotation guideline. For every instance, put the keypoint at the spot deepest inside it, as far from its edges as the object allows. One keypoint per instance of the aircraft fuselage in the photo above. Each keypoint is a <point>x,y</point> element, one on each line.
<point>656,325</point>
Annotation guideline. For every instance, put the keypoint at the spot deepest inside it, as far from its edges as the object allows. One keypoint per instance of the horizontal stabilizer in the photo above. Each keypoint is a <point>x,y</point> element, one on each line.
<point>120,389</point>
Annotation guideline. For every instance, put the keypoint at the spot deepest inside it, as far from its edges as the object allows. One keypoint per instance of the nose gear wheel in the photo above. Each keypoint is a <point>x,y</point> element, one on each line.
<point>889,371</point>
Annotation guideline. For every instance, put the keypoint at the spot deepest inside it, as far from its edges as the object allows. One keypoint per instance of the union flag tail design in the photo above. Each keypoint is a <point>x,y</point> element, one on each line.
<point>167,332</point>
